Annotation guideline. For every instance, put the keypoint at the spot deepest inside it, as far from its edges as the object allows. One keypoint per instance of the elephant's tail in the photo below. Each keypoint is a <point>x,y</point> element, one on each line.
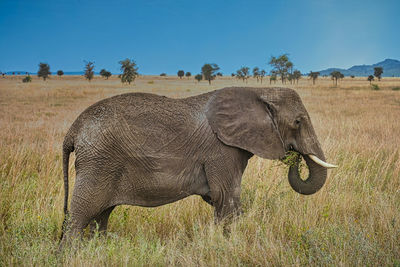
<point>68,147</point>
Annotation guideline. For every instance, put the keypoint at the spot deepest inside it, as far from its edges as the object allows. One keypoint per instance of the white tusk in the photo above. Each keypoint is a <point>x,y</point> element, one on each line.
<point>321,162</point>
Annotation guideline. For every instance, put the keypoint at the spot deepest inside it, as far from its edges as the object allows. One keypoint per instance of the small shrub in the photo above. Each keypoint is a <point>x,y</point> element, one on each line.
<point>198,77</point>
<point>150,82</point>
<point>180,73</point>
<point>396,88</point>
<point>105,73</point>
<point>27,79</point>
<point>375,87</point>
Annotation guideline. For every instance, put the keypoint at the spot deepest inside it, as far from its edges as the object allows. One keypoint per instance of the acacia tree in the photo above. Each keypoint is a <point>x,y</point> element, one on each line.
<point>378,72</point>
<point>370,78</point>
<point>336,75</point>
<point>290,78</point>
<point>239,74</point>
<point>208,71</point>
<point>256,73</point>
<point>262,74</point>
<point>188,74</point>
<point>272,78</point>
<point>44,71</point>
<point>129,70</point>
<point>296,75</point>
<point>181,73</point>
<point>243,73</point>
<point>246,72</point>
<point>289,66</point>
<point>89,73</point>
<point>60,73</point>
<point>281,65</point>
<point>314,76</point>
<point>198,77</point>
<point>105,73</point>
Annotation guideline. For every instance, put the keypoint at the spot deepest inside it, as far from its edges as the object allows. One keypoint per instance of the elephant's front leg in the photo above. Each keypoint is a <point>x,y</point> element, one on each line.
<point>224,186</point>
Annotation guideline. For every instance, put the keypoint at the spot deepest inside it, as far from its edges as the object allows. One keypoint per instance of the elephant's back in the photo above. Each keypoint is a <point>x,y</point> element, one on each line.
<point>129,103</point>
<point>136,119</point>
<point>127,106</point>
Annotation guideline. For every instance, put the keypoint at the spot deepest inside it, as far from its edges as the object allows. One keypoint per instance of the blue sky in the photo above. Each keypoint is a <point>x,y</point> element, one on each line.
<point>165,36</point>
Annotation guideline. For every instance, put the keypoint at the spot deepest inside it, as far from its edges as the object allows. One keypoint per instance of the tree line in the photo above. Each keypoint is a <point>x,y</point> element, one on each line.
<point>282,68</point>
<point>130,72</point>
<point>208,73</point>
<point>128,67</point>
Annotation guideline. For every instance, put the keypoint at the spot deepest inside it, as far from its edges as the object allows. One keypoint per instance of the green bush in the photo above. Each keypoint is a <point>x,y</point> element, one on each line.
<point>396,88</point>
<point>27,79</point>
<point>375,87</point>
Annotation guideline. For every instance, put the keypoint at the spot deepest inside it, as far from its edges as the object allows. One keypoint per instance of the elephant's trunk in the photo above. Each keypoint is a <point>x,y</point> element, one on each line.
<point>315,180</point>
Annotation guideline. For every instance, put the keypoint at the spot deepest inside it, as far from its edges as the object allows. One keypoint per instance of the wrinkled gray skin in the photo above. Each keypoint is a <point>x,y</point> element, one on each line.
<point>149,150</point>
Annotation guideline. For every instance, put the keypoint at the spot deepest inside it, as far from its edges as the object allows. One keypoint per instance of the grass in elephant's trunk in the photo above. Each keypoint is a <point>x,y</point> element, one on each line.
<point>293,158</point>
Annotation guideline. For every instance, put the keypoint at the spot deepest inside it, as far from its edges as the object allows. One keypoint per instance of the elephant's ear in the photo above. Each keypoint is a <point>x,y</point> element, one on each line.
<point>240,118</point>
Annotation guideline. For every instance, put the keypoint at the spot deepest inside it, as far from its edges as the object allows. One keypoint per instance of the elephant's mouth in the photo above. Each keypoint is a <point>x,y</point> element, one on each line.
<point>292,152</point>
<point>317,169</point>
<point>290,155</point>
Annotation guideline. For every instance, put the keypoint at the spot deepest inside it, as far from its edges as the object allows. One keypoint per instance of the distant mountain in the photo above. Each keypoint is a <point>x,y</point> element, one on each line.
<point>391,67</point>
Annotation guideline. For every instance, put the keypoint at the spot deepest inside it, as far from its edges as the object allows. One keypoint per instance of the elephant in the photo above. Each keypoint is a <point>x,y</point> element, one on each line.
<point>149,150</point>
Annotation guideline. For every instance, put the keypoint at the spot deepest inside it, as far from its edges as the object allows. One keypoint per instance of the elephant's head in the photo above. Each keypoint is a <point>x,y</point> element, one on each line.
<point>269,122</point>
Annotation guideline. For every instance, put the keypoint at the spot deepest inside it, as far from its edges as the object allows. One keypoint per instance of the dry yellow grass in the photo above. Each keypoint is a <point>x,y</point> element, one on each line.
<point>353,220</point>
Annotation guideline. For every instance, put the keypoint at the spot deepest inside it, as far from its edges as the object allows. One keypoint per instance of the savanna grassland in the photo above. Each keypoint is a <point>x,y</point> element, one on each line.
<point>353,221</point>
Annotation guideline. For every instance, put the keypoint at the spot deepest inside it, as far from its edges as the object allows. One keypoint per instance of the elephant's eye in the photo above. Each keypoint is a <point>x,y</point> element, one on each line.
<point>297,122</point>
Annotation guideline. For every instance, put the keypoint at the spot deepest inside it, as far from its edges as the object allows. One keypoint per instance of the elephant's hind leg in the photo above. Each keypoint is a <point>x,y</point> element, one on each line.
<point>90,200</point>
<point>100,222</point>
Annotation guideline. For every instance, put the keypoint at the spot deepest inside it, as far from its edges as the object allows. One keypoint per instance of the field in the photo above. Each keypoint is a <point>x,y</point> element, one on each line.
<point>353,221</point>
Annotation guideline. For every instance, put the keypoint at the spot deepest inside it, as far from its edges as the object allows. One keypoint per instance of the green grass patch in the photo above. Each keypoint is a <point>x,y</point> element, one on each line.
<point>375,87</point>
